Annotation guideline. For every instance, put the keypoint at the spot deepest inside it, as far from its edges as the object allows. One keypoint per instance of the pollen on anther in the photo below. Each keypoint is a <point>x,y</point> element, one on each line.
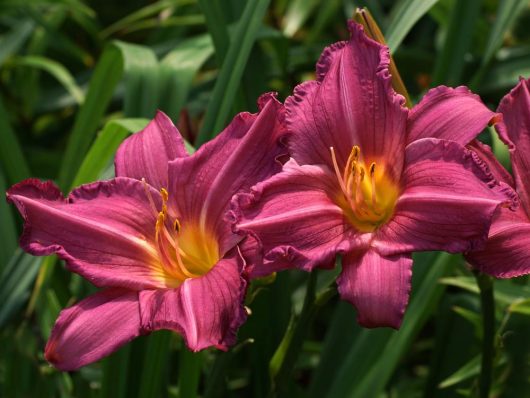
<point>164,194</point>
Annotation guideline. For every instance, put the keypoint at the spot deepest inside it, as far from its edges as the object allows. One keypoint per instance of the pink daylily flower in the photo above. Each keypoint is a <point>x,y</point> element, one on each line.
<point>154,238</point>
<point>372,181</point>
<point>507,252</point>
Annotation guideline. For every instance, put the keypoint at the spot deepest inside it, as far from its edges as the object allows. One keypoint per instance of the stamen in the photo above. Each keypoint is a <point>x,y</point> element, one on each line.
<point>337,172</point>
<point>351,162</point>
<point>372,178</point>
<point>164,194</point>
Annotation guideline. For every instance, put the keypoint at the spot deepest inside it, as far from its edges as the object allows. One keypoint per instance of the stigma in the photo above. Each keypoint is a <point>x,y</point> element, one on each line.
<point>368,195</point>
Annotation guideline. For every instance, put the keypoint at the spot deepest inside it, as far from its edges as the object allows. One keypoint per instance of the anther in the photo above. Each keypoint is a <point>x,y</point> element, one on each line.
<point>372,169</point>
<point>355,152</point>
<point>176,225</point>
<point>164,194</point>
<point>362,173</point>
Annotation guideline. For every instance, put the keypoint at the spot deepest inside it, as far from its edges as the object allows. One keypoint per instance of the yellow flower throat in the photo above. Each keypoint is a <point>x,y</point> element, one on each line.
<point>183,251</point>
<point>368,195</point>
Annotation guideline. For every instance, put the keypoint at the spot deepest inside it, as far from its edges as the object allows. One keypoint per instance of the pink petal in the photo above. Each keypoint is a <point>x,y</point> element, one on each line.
<point>486,155</point>
<point>515,108</point>
<point>294,219</point>
<point>102,230</point>
<point>507,252</point>
<point>206,311</point>
<point>377,286</point>
<point>351,103</point>
<point>146,154</point>
<point>243,154</point>
<point>454,114</point>
<point>448,201</point>
<point>93,328</point>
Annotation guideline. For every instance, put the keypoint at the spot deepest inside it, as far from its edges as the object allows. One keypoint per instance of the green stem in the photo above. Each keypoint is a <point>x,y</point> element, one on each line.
<point>485,284</point>
<point>284,359</point>
<point>189,373</point>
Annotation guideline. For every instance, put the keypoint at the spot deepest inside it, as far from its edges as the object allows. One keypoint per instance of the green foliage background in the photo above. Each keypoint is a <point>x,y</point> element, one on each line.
<point>77,77</point>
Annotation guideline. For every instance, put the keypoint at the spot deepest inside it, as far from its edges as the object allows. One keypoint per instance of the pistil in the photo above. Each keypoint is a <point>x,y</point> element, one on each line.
<point>361,188</point>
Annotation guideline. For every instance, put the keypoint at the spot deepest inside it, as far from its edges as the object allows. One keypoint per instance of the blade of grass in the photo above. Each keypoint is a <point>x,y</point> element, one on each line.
<point>507,12</point>
<point>297,13</point>
<point>115,370</point>
<point>8,231</point>
<point>11,42</point>
<point>15,283</point>
<point>141,80</point>
<point>403,17</point>
<point>12,160</point>
<point>233,67</point>
<point>106,76</point>
<point>154,364</point>
<point>102,151</point>
<point>142,13</point>
<point>386,347</point>
<point>216,24</point>
<point>178,69</point>
<point>137,63</point>
<point>189,373</point>
<point>55,69</point>
<point>451,61</point>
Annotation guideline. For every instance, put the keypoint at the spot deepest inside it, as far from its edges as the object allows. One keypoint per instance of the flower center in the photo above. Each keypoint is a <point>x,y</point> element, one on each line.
<point>184,251</point>
<point>368,195</point>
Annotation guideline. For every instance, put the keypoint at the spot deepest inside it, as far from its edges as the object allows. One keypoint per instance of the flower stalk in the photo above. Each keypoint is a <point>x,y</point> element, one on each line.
<point>284,359</point>
<point>485,284</point>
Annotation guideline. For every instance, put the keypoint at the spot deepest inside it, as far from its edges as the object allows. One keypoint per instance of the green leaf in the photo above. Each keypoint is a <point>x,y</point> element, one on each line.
<point>470,369</point>
<point>141,80</point>
<point>138,64</point>
<point>450,63</point>
<point>403,17</point>
<point>11,42</point>
<point>217,27</point>
<point>503,75</point>
<point>12,160</point>
<point>500,149</point>
<point>507,12</point>
<point>471,316</point>
<point>505,291</point>
<point>189,372</point>
<point>506,15</point>
<point>520,307</point>
<point>376,354</point>
<point>55,69</point>
<point>15,283</point>
<point>178,69</point>
<point>114,382</point>
<point>102,151</point>
<point>232,70</point>
<point>107,74</point>
<point>154,364</point>
<point>142,13</point>
<point>8,232</point>
<point>297,13</point>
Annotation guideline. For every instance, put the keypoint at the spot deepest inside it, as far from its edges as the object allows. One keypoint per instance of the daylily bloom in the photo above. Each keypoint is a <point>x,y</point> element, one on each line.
<point>507,252</point>
<point>154,238</point>
<point>372,180</point>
